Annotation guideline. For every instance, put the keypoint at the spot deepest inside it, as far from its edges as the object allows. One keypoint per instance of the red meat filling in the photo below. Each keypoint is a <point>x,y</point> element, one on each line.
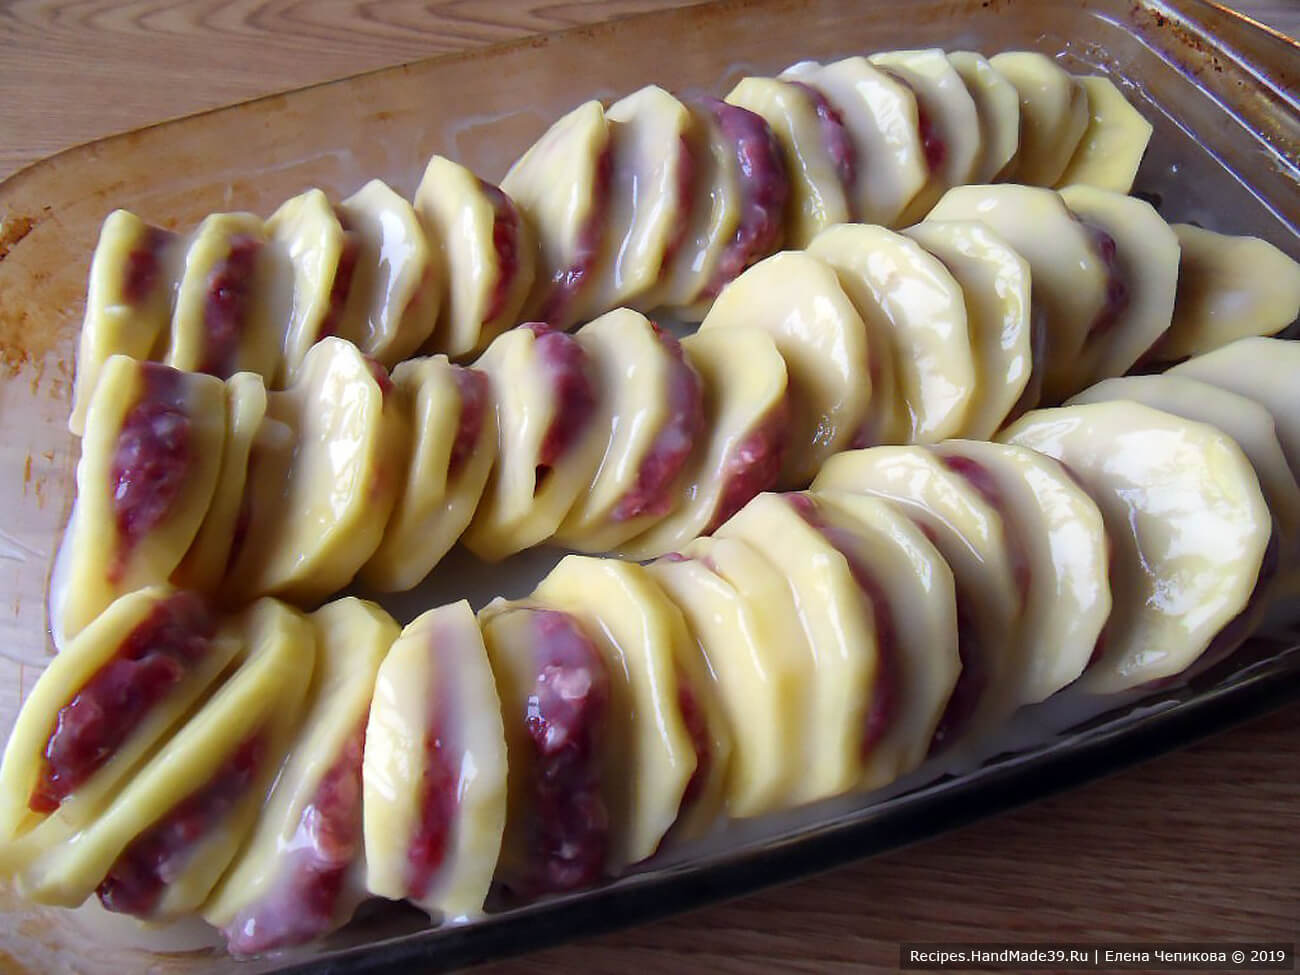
<point>90,728</point>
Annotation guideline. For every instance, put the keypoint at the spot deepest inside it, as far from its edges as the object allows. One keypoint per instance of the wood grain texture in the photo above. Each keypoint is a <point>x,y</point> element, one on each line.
<point>1198,845</point>
<point>76,70</point>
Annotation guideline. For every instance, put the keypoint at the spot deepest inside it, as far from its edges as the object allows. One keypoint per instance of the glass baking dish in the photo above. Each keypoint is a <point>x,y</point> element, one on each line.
<point>1219,90</point>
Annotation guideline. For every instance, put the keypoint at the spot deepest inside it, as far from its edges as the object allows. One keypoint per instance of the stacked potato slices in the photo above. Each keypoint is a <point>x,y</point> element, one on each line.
<point>981,507</point>
<point>649,203</point>
<point>268,770</point>
<point>618,437</point>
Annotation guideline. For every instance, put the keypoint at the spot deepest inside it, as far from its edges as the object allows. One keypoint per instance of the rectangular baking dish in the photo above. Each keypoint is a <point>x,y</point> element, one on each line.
<point>1219,90</point>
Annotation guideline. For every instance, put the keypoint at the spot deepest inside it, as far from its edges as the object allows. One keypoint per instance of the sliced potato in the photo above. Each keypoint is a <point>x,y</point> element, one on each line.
<point>1263,369</point>
<point>1228,288</point>
<point>880,115</point>
<point>1183,509</point>
<point>1053,115</point>
<point>551,430</point>
<point>567,721</point>
<point>798,300</point>
<point>933,362</point>
<point>997,103</point>
<point>1140,304</point>
<point>1248,423</point>
<point>673,757</point>
<point>851,638</point>
<point>713,214</point>
<point>98,709</point>
<point>652,414</point>
<point>148,468</point>
<point>743,436</point>
<point>1113,144</point>
<point>205,563</point>
<point>322,259</point>
<point>773,760</point>
<point>818,196</point>
<point>322,479</point>
<point>451,446</point>
<point>160,847</point>
<point>649,197</point>
<point>949,123</point>
<point>231,311</point>
<point>1070,277</point>
<point>995,282</point>
<point>911,584</point>
<point>300,874</point>
<point>133,275</point>
<point>562,184</point>
<point>398,283</point>
<point>435,768</point>
<point>968,528</point>
<point>1060,530</point>
<point>752,700</point>
<point>489,251</point>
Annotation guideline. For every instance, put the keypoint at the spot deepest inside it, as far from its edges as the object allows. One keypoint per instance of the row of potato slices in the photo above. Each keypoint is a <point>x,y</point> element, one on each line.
<point>653,202</point>
<point>630,202</point>
<point>443,273</point>
<point>617,439</point>
<point>820,642</point>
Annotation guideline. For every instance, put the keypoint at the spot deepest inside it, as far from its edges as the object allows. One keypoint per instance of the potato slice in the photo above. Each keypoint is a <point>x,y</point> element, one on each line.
<point>1070,277</point>
<point>674,755</point>
<point>566,727</point>
<point>1113,144</point>
<point>949,122</point>
<point>778,649</point>
<point>551,438</point>
<point>322,479</point>
<point>757,703</point>
<point>1190,527</point>
<point>1140,303</point>
<point>880,116</point>
<point>204,565</point>
<point>148,469</point>
<point>98,709</point>
<point>490,254</point>
<point>819,196</point>
<point>743,436</point>
<point>435,768</point>
<point>322,259</point>
<point>562,185</point>
<point>713,212</point>
<point>912,585</point>
<point>1060,530</point>
<point>853,693</point>
<point>997,104</point>
<point>969,531</point>
<point>452,445</point>
<point>652,415</point>
<point>1228,288</point>
<point>1248,423</point>
<point>157,851</point>
<point>1053,115</point>
<point>798,300</point>
<point>230,312</point>
<point>650,192</point>
<point>995,282</point>
<point>300,873</point>
<point>762,185</point>
<point>133,275</point>
<point>932,360</point>
<point>1263,369</point>
<point>398,283</point>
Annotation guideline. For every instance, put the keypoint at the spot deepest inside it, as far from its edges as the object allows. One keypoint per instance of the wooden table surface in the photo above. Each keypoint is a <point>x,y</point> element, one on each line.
<point>1200,845</point>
